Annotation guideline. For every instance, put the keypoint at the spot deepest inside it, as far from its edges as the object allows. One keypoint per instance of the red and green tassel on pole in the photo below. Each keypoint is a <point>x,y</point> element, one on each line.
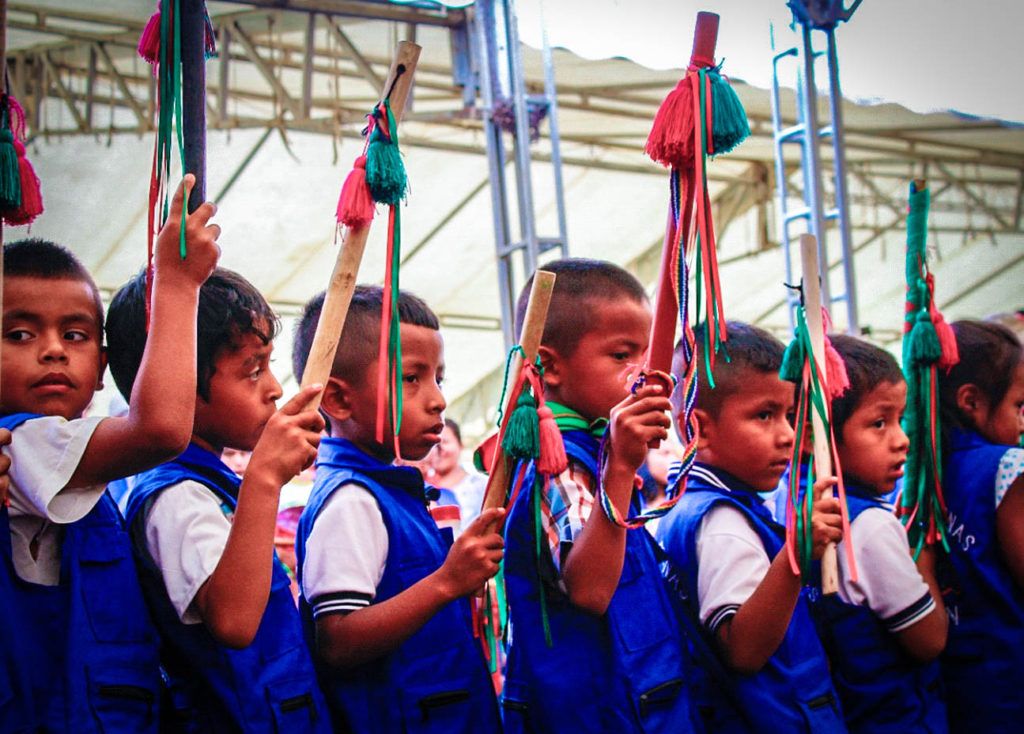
<point>928,345</point>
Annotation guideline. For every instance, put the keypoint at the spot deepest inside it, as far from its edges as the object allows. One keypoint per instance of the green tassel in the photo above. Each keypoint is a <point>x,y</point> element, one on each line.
<point>792,368</point>
<point>923,345</point>
<point>385,171</point>
<point>10,177</point>
<point>729,121</point>
<point>522,434</point>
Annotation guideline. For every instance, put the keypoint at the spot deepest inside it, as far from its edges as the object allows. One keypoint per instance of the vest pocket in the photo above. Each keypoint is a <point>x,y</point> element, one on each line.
<point>109,587</point>
<point>822,713</point>
<point>515,709</point>
<point>294,705</point>
<point>123,699</point>
<point>448,711</point>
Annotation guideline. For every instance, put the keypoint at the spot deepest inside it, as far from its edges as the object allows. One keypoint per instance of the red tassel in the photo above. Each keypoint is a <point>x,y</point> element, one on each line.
<point>552,460</point>
<point>355,205</point>
<point>670,141</point>
<point>835,371</point>
<point>947,339</point>
<point>149,41</point>
<point>31,199</point>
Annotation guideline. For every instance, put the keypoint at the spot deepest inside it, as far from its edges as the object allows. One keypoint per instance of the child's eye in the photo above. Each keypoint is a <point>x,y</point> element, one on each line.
<point>76,335</point>
<point>880,423</point>
<point>18,335</point>
<point>412,379</point>
<point>256,374</point>
<point>764,415</point>
<point>620,356</point>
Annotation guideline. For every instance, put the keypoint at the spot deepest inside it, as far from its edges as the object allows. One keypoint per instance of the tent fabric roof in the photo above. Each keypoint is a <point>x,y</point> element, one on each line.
<point>278,214</point>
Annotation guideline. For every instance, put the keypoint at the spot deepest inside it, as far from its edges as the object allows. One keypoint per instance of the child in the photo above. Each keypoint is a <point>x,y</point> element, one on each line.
<point>204,538</point>
<point>884,631</point>
<point>383,589</point>
<point>981,398</point>
<point>616,656</point>
<point>84,650</point>
<point>728,557</point>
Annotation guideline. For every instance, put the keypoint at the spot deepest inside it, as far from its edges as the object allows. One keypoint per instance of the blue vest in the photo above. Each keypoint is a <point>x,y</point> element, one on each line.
<point>82,655</point>
<point>793,692</point>
<point>882,688</point>
<point>628,670</point>
<point>983,665</point>
<point>269,686</point>
<point>437,680</point>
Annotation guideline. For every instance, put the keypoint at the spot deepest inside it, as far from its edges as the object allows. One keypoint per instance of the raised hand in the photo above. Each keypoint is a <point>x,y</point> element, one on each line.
<point>638,420</point>
<point>200,239</point>
<point>290,439</point>
<point>475,556</point>
<point>826,522</point>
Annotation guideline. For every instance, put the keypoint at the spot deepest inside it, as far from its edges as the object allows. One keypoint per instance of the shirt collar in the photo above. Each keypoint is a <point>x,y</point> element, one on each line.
<point>568,419</point>
<point>340,453</point>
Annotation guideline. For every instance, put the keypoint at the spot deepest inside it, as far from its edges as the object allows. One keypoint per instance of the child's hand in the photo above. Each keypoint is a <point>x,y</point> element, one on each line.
<point>200,241</point>
<point>289,440</point>
<point>635,422</point>
<point>826,522</point>
<point>475,555</point>
<point>5,466</point>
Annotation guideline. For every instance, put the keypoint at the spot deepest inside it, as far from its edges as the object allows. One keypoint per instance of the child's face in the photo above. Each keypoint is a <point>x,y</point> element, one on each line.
<point>423,403</point>
<point>446,457</point>
<point>243,395</point>
<point>52,356</point>
<point>751,437</point>
<point>1004,423</point>
<point>592,380</point>
<point>872,445</point>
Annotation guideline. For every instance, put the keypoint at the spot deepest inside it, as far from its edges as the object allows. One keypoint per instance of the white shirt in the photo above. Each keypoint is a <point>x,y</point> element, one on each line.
<point>186,532</point>
<point>888,582</point>
<point>731,564</point>
<point>346,552</point>
<point>45,452</point>
<point>1011,466</point>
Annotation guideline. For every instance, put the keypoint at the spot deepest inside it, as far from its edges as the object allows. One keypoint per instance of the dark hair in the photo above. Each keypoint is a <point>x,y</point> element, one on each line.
<point>989,353</point>
<point>581,284</point>
<point>229,307</point>
<point>868,367</point>
<point>449,423</point>
<point>747,348</point>
<point>357,347</point>
<point>38,258</point>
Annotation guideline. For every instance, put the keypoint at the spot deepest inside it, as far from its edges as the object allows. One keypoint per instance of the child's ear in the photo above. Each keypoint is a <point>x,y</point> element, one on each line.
<point>337,399</point>
<point>971,401</point>
<point>705,428</point>
<point>550,360</point>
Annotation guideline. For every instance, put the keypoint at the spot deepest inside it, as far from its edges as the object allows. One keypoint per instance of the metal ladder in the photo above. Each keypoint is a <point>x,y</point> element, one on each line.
<point>809,16</point>
<point>501,79</point>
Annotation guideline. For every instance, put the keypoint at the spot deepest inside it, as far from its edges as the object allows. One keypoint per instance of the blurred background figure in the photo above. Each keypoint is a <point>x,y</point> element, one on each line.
<point>236,460</point>
<point>448,473</point>
<point>654,473</point>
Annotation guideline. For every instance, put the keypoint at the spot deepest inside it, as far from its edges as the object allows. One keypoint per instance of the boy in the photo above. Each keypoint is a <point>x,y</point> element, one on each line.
<point>595,644</point>
<point>884,631</point>
<point>204,539</point>
<point>727,553</point>
<point>84,650</point>
<point>383,589</point>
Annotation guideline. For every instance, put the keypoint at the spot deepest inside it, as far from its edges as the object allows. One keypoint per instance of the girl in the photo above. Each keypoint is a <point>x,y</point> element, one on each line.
<point>981,401</point>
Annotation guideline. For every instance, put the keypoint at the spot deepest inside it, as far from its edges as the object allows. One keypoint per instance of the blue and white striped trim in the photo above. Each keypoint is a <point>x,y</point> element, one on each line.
<point>340,602</point>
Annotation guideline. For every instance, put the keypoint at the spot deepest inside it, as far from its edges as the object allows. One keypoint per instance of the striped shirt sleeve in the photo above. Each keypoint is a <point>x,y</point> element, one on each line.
<point>345,553</point>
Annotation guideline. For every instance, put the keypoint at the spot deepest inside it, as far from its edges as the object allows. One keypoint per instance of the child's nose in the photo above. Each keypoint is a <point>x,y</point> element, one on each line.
<point>274,389</point>
<point>437,403</point>
<point>785,435</point>
<point>901,439</point>
<point>52,348</point>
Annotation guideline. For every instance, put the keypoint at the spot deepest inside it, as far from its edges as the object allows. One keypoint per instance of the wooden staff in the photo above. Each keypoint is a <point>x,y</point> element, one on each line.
<point>346,268</point>
<point>533,330</point>
<point>816,331</point>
